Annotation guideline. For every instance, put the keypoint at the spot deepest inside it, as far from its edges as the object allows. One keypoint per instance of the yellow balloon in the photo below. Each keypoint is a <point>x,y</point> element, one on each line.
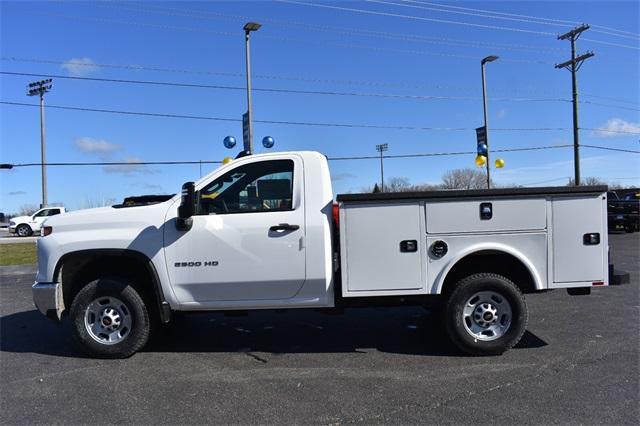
<point>227,160</point>
<point>481,160</point>
<point>499,163</point>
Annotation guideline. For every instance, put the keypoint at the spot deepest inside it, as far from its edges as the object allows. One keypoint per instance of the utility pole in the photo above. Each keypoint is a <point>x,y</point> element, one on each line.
<point>381,149</point>
<point>39,88</point>
<point>484,106</point>
<point>574,65</point>
<point>247,119</point>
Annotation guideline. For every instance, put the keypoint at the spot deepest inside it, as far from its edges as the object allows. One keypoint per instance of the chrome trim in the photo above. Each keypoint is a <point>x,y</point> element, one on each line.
<point>48,299</point>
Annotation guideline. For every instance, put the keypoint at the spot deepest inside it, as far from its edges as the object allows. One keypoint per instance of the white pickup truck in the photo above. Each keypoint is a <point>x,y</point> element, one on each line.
<point>24,226</point>
<point>263,232</point>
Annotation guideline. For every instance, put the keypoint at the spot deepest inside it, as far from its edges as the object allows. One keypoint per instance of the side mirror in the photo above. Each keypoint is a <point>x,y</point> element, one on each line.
<point>187,207</point>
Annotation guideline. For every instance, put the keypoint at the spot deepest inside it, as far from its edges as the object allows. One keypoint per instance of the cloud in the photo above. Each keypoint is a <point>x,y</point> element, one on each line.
<point>96,146</point>
<point>131,167</point>
<point>80,67</point>
<point>342,176</point>
<point>149,186</point>
<point>17,193</point>
<point>502,113</point>
<point>615,125</point>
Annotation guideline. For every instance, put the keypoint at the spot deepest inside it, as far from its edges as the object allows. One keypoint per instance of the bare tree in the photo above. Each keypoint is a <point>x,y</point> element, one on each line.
<point>90,203</point>
<point>464,179</point>
<point>397,184</point>
<point>588,181</point>
<point>27,209</point>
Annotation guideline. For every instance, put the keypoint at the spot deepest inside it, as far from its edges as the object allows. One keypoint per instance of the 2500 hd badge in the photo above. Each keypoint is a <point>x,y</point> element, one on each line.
<point>195,264</point>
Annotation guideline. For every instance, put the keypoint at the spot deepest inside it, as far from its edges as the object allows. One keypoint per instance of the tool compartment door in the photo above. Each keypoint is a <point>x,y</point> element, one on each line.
<point>382,248</point>
<point>574,259</point>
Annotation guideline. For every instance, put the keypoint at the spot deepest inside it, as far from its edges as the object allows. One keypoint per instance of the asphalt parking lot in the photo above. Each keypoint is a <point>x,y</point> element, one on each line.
<point>578,363</point>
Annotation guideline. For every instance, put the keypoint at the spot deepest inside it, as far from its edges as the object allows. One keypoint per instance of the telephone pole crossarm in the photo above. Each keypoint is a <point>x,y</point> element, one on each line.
<point>574,33</point>
<point>578,61</point>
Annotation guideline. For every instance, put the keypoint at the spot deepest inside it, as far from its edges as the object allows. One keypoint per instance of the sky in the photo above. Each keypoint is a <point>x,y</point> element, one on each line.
<point>405,73</point>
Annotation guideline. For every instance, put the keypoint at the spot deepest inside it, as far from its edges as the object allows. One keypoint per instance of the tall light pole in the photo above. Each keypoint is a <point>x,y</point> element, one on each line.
<point>39,88</point>
<point>247,122</point>
<point>484,105</point>
<point>381,149</point>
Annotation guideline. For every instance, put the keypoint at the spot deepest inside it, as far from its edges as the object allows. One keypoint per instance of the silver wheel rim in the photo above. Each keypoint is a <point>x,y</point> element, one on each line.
<point>108,320</point>
<point>487,315</point>
<point>23,231</point>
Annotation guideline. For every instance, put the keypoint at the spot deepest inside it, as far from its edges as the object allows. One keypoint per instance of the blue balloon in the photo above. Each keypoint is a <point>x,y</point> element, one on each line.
<point>268,142</point>
<point>482,149</point>
<point>229,142</point>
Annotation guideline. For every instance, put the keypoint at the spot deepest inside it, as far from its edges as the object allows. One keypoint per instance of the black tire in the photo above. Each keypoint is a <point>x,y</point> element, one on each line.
<point>135,309</point>
<point>456,323</point>
<point>24,230</point>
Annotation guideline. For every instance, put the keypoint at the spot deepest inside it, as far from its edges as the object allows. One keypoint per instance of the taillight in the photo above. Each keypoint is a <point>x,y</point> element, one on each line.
<point>45,230</point>
<point>336,214</point>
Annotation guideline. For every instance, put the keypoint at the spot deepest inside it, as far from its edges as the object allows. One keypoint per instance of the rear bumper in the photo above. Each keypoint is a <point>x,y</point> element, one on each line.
<point>48,299</point>
<point>617,277</point>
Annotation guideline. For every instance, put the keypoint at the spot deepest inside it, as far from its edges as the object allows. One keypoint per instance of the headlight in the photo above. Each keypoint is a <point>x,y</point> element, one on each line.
<point>12,223</point>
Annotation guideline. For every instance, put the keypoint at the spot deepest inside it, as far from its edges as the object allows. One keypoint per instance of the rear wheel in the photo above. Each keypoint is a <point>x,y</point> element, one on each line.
<point>485,314</point>
<point>110,319</point>
<point>23,230</point>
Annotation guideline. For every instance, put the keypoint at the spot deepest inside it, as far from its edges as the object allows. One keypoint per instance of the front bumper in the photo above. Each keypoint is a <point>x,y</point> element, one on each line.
<point>48,299</point>
<point>12,229</point>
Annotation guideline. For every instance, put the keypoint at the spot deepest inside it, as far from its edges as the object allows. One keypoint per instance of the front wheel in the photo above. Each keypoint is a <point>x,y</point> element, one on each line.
<point>110,319</point>
<point>486,314</point>
<point>23,230</point>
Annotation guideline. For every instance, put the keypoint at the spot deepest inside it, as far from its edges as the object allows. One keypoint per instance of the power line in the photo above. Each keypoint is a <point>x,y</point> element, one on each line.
<point>445,21</point>
<point>292,91</point>
<point>135,67</point>
<point>610,131</point>
<point>364,157</point>
<point>293,123</point>
<point>203,14</point>
<point>419,18</point>
<point>516,17</point>
<point>279,38</point>
<point>306,92</point>
<point>606,148</point>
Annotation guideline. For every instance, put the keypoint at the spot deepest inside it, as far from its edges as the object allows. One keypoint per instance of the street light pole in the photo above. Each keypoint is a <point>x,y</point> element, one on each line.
<point>39,88</point>
<point>248,28</point>
<point>381,149</point>
<point>484,107</point>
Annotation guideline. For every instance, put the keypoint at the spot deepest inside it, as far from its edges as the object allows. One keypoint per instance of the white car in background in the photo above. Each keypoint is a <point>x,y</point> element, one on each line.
<point>24,226</point>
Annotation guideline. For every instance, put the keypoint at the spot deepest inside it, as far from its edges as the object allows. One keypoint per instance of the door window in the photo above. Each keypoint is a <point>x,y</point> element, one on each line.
<point>264,186</point>
<point>47,212</point>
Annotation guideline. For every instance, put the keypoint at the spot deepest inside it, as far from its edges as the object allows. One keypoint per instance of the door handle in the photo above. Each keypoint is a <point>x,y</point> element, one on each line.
<point>284,227</point>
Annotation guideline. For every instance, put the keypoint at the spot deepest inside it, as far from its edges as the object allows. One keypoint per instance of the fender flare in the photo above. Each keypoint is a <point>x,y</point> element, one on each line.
<point>485,247</point>
<point>162,304</point>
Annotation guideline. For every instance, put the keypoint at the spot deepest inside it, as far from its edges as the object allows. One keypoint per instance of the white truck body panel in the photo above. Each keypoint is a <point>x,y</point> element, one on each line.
<point>573,261</point>
<point>543,231</point>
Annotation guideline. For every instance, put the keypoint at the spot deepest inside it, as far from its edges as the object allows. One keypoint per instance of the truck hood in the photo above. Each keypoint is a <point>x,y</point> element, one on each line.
<point>110,218</point>
<point>20,219</point>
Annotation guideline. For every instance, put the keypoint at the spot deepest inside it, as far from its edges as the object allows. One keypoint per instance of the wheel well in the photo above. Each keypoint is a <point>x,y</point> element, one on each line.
<point>494,261</point>
<point>76,270</point>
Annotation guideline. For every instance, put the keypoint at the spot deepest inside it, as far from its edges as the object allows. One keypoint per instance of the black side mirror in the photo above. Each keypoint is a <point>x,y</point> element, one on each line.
<point>187,207</point>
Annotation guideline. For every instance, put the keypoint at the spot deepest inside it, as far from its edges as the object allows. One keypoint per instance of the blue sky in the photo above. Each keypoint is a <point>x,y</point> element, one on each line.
<point>385,47</point>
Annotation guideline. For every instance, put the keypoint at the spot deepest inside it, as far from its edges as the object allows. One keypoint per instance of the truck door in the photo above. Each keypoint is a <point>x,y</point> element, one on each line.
<point>247,238</point>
